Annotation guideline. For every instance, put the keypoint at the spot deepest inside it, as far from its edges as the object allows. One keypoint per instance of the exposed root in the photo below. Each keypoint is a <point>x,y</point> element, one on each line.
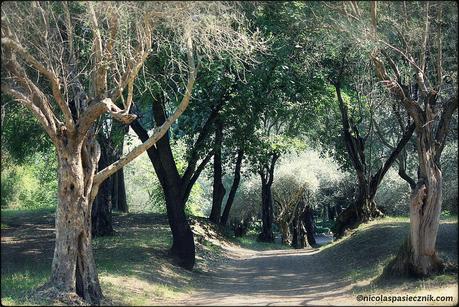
<point>54,296</point>
<point>402,265</point>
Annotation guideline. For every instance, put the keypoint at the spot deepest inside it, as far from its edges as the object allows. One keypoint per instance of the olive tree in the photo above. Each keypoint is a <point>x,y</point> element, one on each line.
<point>70,63</point>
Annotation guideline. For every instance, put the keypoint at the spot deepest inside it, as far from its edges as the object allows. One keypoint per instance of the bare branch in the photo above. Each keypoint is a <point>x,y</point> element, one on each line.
<point>93,112</point>
<point>27,102</point>
<point>100,78</point>
<point>50,75</point>
<point>159,132</point>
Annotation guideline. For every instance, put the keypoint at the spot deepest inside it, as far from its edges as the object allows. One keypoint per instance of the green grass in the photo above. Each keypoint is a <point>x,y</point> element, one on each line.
<point>133,265</point>
<point>370,247</point>
<point>16,286</point>
<point>10,215</point>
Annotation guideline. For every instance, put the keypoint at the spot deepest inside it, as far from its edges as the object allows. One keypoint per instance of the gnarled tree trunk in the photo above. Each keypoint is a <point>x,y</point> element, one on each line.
<point>73,267</point>
<point>364,209</point>
<point>361,211</point>
<point>418,256</point>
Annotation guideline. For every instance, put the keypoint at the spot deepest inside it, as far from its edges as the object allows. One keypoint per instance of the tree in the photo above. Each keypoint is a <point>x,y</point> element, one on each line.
<point>112,192</point>
<point>234,187</point>
<point>48,66</point>
<point>223,38</point>
<point>431,106</point>
<point>365,207</point>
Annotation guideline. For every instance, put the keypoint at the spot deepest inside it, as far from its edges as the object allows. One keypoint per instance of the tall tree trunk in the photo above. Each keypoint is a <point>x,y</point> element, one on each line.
<point>267,177</point>
<point>73,268</point>
<point>234,187</point>
<point>121,201</point>
<point>218,187</point>
<point>266,234</point>
<point>183,248</point>
<point>364,209</point>
<point>102,206</point>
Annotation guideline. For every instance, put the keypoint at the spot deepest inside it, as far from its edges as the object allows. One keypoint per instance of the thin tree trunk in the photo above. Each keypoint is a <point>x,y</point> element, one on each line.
<point>102,206</point>
<point>266,234</point>
<point>218,187</point>
<point>121,193</point>
<point>234,187</point>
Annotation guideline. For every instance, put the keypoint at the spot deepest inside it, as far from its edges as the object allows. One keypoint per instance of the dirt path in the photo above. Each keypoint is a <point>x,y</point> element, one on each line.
<point>272,277</point>
<point>286,277</point>
<point>308,277</point>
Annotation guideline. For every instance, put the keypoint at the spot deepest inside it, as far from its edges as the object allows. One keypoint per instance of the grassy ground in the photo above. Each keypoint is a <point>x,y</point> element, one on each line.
<point>381,239</point>
<point>133,261</point>
<point>134,268</point>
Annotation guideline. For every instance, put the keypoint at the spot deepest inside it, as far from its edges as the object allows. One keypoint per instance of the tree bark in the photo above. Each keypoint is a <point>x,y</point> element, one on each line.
<point>308,220</point>
<point>418,256</point>
<point>112,191</point>
<point>218,187</point>
<point>102,206</point>
<point>73,267</point>
<point>121,201</point>
<point>175,191</point>
<point>266,234</point>
<point>361,211</point>
<point>267,177</point>
<point>234,187</point>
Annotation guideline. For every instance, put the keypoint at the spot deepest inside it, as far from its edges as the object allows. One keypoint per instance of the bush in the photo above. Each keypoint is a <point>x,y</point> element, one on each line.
<point>31,184</point>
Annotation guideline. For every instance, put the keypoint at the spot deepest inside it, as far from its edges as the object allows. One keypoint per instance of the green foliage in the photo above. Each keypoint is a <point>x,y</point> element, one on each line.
<point>393,195</point>
<point>30,186</point>
<point>144,191</point>
<point>22,135</point>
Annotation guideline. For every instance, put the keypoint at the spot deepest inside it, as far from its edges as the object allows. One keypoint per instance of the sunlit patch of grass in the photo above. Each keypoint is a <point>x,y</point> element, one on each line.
<point>141,292</point>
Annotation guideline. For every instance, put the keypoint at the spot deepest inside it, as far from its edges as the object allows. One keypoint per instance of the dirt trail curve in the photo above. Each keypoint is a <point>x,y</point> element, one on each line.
<point>272,277</point>
<point>275,277</point>
<point>303,277</point>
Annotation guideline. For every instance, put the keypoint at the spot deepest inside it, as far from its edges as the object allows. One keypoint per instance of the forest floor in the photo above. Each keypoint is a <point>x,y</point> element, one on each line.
<point>134,268</point>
